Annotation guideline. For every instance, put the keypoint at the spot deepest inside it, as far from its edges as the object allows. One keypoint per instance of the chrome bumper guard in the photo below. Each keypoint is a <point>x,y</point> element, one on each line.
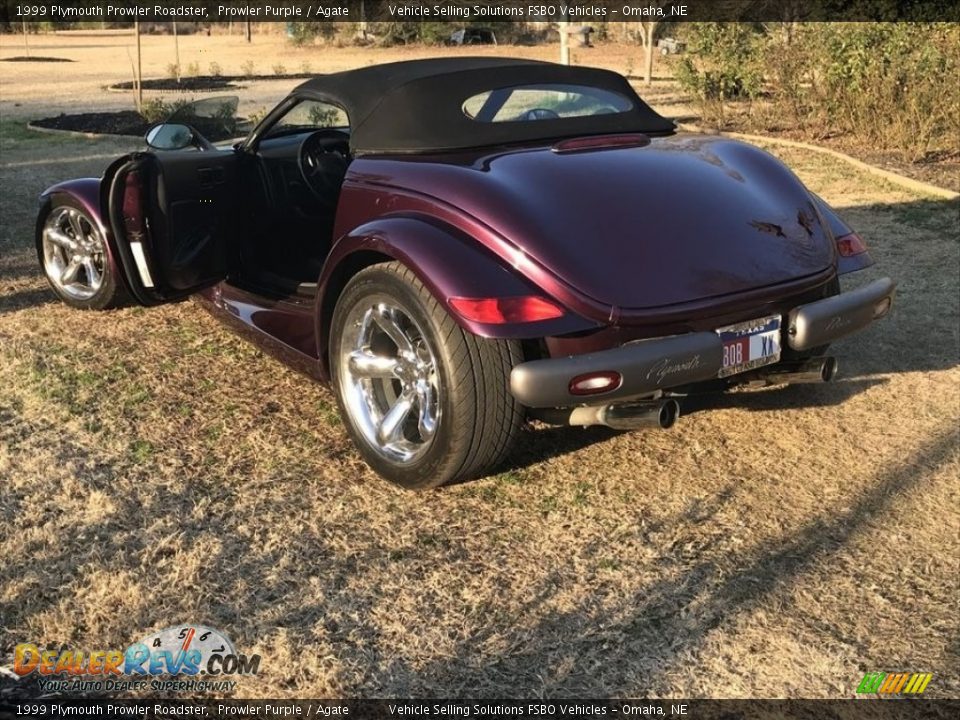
<point>822,322</point>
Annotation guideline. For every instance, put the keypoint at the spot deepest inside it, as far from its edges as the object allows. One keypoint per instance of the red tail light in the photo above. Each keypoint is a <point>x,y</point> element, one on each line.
<point>497,311</point>
<point>850,245</point>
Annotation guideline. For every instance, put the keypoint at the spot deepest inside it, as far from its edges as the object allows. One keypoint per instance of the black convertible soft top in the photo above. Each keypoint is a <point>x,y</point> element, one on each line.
<point>416,106</point>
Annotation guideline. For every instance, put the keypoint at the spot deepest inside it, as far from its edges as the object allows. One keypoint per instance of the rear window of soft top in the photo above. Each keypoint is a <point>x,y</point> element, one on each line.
<point>548,101</point>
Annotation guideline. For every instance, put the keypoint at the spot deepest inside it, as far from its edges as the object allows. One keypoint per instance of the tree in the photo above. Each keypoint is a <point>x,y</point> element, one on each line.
<point>564,40</point>
<point>176,49</point>
<point>646,33</point>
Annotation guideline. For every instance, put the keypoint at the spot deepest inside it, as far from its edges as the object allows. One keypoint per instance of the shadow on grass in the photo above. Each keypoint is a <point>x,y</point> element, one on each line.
<point>776,399</point>
<point>22,299</point>
<point>666,623</point>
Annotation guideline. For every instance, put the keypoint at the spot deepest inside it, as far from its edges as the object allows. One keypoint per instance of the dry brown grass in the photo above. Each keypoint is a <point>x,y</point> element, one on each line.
<point>155,469</point>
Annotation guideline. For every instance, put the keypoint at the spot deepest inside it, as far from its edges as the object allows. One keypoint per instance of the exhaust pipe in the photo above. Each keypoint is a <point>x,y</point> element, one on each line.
<point>628,416</point>
<point>814,370</point>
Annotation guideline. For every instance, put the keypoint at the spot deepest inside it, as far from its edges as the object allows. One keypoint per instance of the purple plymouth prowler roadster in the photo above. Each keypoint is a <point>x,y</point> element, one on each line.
<point>459,244</point>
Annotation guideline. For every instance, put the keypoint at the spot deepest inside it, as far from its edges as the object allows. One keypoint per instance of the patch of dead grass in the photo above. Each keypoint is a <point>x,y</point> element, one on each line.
<point>155,469</point>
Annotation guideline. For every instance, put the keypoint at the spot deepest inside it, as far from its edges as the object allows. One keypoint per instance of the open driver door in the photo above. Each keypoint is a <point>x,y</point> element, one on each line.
<point>173,218</point>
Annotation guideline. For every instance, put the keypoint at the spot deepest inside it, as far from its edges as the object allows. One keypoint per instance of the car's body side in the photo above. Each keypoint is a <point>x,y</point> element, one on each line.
<point>585,268</point>
<point>387,211</point>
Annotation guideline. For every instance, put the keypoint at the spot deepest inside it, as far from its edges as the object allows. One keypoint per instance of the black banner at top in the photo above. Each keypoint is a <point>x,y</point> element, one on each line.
<point>477,11</point>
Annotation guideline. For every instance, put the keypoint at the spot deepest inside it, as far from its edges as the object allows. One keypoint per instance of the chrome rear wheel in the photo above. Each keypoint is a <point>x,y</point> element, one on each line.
<point>425,401</point>
<point>389,380</point>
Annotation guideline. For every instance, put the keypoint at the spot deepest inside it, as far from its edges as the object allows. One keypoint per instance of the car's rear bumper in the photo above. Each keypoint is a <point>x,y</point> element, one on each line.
<point>661,363</point>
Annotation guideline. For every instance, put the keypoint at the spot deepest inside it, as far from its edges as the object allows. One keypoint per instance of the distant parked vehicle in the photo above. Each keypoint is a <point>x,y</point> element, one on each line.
<point>473,36</point>
<point>671,46</point>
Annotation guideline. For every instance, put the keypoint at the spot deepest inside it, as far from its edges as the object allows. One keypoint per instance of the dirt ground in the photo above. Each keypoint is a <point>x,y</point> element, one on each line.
<point>155,469</point>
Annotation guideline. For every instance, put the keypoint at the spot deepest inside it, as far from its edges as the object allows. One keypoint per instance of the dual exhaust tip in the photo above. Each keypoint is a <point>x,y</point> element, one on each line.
<point>664,413</point>
<point>801,372</point>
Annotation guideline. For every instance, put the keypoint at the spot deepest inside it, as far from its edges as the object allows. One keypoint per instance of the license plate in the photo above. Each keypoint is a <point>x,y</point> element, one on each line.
<point>750,345</point>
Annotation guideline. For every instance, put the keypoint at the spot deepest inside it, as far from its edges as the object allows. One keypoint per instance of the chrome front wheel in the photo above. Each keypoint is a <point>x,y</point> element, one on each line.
<point>74,253</point>
<point>75,258</point>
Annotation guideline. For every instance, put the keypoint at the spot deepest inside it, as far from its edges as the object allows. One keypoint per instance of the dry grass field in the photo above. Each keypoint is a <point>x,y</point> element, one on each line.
<point>155,469</point>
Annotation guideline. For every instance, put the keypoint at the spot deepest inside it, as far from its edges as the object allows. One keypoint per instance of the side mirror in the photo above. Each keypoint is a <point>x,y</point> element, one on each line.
<point>170,136</point>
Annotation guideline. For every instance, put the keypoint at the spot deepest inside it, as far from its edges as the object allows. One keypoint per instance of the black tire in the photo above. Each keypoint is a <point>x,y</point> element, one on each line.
<point>478,419</point>
<point>110,292</point>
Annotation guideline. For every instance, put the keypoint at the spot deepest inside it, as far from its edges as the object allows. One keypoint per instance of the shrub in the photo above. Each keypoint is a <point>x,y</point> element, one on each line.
<point>721,64</point>
<point>301,33</point>
<point>173,70</point>
<point>890,86</point>
<point>886,84</point>
<point>248,68</point>
<point>259,114</point>
<point>215,69</point>
<point>193,69</point>
<point>156,110</point>
<point>279,69</point>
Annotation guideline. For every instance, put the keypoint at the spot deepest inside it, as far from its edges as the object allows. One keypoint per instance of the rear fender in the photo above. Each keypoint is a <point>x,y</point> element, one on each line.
<point>837,228</point>
<point>446,261</point>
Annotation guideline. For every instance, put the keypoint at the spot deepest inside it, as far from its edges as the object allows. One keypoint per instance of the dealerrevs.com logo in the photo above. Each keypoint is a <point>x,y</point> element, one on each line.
<point>178,658</point>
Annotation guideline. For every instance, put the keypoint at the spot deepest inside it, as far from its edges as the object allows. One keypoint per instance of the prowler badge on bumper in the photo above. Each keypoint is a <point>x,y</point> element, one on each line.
<point>644,367</point>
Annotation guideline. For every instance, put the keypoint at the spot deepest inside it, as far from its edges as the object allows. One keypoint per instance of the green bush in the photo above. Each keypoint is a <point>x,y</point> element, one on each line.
<point>156,110</point>
<point>892,86</point>
<point>301,33</point>
<point>889,86</point>
<point>722,63</point>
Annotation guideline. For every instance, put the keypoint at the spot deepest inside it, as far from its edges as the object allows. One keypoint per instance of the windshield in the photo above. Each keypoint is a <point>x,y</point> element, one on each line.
<point>309,115</point>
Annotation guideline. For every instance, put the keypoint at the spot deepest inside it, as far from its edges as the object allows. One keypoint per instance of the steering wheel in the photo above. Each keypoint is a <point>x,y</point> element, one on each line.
<point>540,114</point>
<point>324,156</point>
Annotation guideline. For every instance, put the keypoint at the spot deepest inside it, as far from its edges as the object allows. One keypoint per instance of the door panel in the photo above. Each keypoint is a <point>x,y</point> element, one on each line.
<point>174,221</point>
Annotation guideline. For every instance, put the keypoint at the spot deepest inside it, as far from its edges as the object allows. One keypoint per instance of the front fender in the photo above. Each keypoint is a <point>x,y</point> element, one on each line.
<point>85,191</point>
<point>448,262</point>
